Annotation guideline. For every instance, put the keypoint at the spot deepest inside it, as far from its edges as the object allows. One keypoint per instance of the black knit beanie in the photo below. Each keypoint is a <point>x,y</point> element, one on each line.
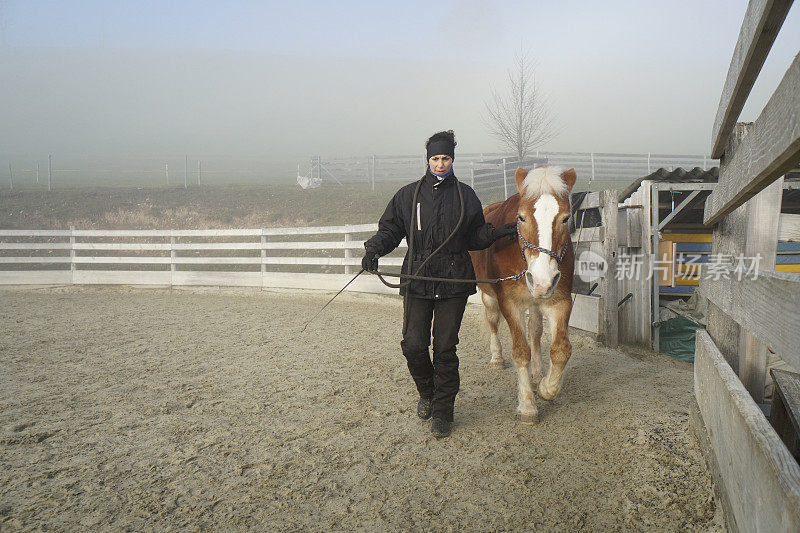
<point>442,143</point>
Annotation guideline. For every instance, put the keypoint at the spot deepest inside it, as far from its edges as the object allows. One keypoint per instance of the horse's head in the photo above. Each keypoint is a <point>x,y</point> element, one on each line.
<point>543,224</point>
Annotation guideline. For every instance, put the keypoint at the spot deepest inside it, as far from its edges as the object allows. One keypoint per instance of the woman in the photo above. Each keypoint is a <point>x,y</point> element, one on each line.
<point>432,220</point>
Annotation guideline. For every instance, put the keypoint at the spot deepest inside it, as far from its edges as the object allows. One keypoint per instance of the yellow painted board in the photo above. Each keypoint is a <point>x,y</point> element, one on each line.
<point>787,268</point>
<point>686,237</point>
<point>666,266</point>
<point>688,269</point>
<point>684,280</point>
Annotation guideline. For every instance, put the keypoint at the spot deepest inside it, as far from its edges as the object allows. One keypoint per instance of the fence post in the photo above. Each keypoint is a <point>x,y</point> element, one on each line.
<point>348,237</point>
<point>608,207</point>
<point>761,240</point>
<point>10,177</point>
<point>173,240</point>
<point>372,174</point>
<point>505,180</point>
<point>199,171</point>
<point>472,174</point>
<point>49,170</point>
<point>186,172</point>
<point>728,239</point>
<point>648,164</point>
<point>72,253</point>
<point>166,171</point>
<point>263,255</point>
<point>592,156</point>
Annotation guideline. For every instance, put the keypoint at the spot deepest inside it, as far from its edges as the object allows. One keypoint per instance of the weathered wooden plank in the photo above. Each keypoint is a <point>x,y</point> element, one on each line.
<point>586,313</point>
<point>125,232</point>
<point>785,413</point>
<point>774,296</point>
<point>34,233</point>
<point>273,260</point>
<point>760,241</point>
<point>589,235</point>
<point>728,239</point>
<point>35,277</point>
<point>121,277</point>
<point>771,147</point>
<point>329,282</point>
<point>761,24</point>
<point>609,212</point>
<point>634,315</point>
<point>63,259</point>
<point>761,478</point>
<point>234,232</point>
<point>590,201</point>
<point>789,228</point>
<point>34,246</point>
<point>629,228</point>
<point>720,489</point>
<point>298,245</point>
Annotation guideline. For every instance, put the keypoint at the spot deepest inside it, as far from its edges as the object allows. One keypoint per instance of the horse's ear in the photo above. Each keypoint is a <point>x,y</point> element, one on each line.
<point>519,176</point>
<point>569,177</point>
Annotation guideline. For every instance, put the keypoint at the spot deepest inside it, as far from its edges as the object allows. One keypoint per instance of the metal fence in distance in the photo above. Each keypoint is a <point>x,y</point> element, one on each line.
<point>491,174</point>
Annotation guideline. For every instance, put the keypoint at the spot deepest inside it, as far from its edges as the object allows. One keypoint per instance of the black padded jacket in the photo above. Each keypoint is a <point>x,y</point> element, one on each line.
<point>433,219</point>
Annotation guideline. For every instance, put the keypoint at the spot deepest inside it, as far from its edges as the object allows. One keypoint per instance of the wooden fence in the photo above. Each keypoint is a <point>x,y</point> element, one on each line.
<point>757,479</point>
<point>229,257</point>
<point>597,312</point>
<point>294,258</point>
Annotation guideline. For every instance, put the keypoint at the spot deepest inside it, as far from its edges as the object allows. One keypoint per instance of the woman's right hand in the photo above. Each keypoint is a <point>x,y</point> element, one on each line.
<point>370,261</point>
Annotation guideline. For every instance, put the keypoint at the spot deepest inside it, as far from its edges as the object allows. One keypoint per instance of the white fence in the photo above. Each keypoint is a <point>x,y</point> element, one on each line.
<point>264,257</point>
<point>374,169</point>
<point>290,258</point>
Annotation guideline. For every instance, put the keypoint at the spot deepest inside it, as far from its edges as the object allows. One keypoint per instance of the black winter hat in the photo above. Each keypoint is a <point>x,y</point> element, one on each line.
<point>442,143</point>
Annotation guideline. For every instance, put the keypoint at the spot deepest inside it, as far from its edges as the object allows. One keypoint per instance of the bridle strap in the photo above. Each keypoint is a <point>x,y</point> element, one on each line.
<point>551,253</point>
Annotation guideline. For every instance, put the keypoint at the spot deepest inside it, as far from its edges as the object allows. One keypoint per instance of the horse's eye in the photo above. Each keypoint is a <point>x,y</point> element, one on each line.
<point>521,218</point>
<point>566,219</point>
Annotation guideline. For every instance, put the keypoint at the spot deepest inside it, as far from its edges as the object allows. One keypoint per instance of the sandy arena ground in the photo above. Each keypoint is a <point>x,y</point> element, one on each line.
<point>139,409</point>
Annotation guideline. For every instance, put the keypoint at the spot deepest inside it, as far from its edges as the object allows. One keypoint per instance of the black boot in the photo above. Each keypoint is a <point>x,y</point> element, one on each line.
<point>440,427</point>
<point>424,407</point>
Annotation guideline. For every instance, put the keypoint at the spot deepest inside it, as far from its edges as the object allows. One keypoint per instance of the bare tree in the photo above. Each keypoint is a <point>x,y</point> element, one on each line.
<point>3,24</point>
<point>520,119</point>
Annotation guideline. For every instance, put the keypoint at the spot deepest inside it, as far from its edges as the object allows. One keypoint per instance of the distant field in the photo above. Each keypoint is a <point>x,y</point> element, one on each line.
<point>210,206</point>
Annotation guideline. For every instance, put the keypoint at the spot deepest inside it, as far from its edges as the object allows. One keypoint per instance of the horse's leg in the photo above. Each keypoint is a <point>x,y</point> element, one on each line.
<point>535,341</point>
<point>526,408</point>
<point>560,349</point>
<point>492,309</point>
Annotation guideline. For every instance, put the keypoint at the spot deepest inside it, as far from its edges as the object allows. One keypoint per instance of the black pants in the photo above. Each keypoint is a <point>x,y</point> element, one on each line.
<point>438,379</point>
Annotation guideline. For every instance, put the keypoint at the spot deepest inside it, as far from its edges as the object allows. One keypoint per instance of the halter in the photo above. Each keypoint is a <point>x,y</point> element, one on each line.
<point>526,244</point>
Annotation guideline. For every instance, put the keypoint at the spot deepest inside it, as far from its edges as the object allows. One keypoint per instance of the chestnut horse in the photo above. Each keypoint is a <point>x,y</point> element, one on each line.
<point>542,259</point>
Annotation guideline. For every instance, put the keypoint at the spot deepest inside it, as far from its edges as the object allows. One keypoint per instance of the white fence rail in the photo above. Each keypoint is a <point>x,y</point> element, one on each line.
<point>491,172</point>
<point>266,257</point>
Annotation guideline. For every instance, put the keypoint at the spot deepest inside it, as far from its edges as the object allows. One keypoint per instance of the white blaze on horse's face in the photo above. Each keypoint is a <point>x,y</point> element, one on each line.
<point>542,274</point>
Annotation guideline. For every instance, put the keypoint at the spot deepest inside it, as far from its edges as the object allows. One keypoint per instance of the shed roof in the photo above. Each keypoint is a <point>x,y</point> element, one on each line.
<point>679,175</point>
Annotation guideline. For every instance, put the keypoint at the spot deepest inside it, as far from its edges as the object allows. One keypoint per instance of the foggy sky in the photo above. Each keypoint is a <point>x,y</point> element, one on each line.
<point>283,82</point>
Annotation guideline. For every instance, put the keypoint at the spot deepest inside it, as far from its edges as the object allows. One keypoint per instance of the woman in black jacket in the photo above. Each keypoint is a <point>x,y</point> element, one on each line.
<point>433,219</point>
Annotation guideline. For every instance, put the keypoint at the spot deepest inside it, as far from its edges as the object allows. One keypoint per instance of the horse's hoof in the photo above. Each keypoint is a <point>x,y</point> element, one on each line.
<point>545,394</point>
<point>499,365</point>
<point>530,419</point>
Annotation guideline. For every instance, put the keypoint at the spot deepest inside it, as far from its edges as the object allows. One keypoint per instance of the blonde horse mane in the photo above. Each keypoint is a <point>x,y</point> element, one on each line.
<point>545,180</point>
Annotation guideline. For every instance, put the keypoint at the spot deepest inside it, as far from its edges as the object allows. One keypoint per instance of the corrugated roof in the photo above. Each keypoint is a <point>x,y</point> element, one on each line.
<point>679,175</point>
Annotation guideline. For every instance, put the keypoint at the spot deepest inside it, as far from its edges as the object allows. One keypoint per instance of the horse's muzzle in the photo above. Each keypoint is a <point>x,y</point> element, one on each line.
<point>541,291</point>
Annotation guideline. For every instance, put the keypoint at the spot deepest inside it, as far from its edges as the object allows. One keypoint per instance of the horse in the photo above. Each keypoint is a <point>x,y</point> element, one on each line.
<point>543,260</point>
